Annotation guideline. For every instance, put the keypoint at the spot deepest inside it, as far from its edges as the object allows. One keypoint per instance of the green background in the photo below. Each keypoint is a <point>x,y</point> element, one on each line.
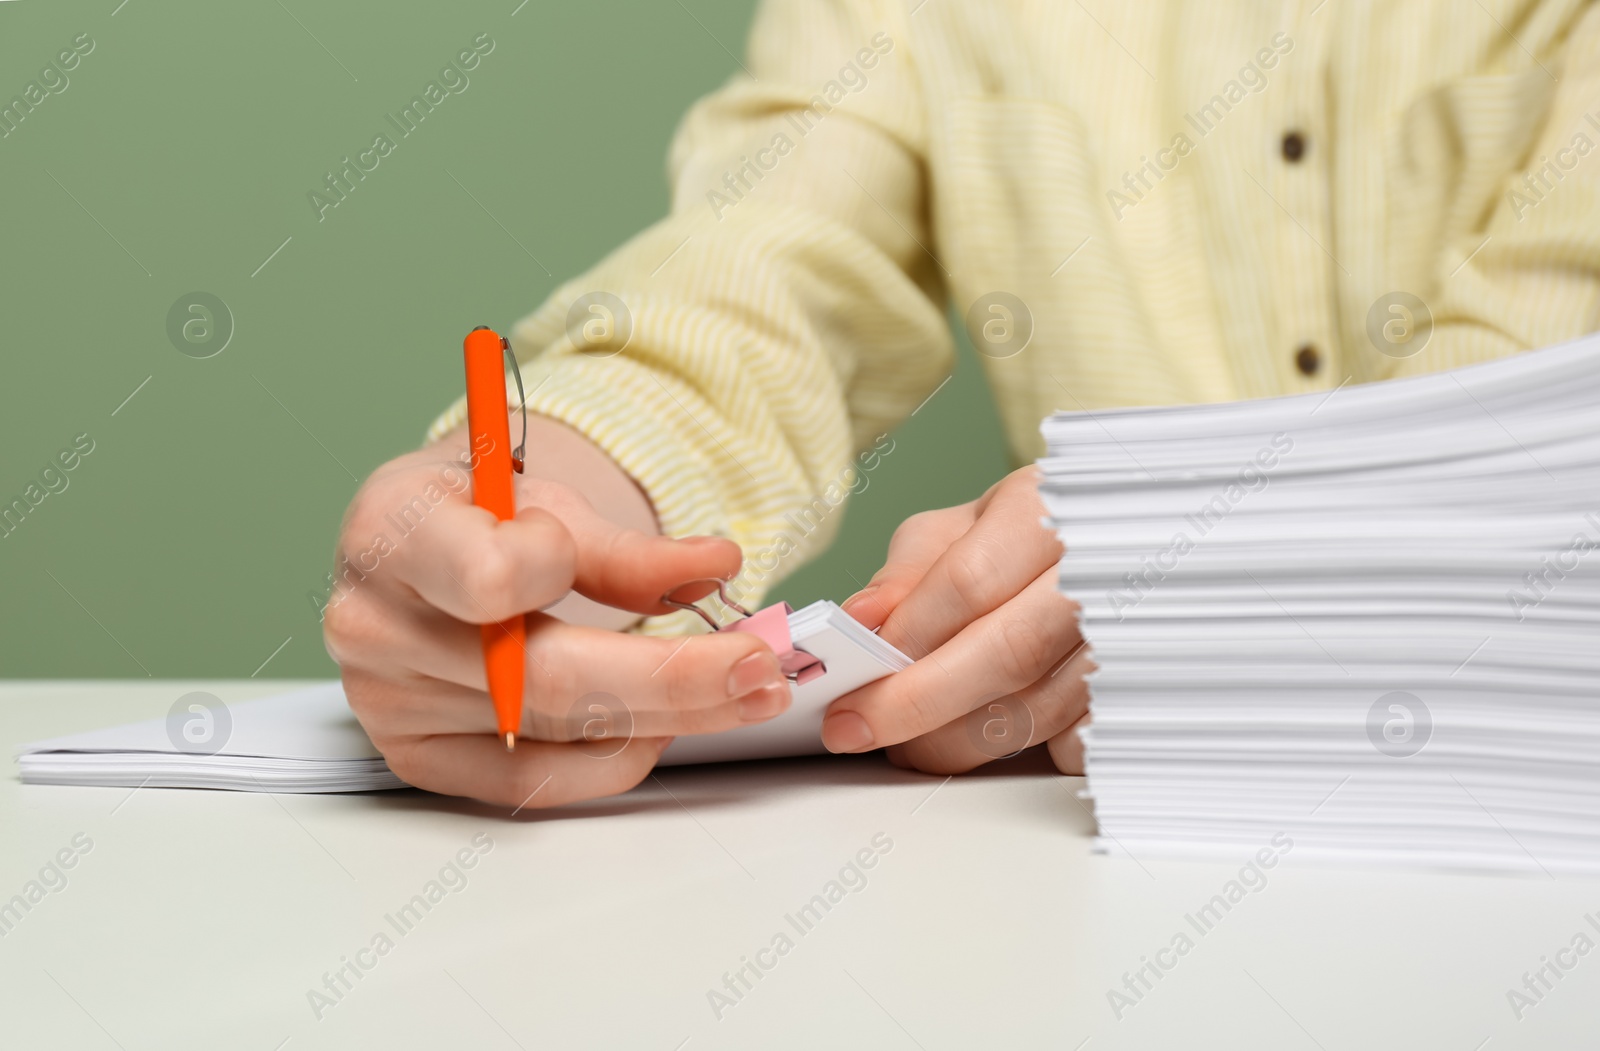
<point>178,158</point>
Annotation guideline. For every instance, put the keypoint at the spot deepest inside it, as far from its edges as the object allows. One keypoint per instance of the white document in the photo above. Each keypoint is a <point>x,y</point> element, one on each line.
<point>853,657</point>
<point>306,741</point>
<point>309,741</point>
<point>1366,619</point>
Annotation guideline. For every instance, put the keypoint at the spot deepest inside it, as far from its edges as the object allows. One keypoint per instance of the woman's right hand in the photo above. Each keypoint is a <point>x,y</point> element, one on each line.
<point>420,568</point>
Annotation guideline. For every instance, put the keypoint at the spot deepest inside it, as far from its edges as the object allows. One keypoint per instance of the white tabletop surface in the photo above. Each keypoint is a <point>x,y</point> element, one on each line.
<point>203,919</point>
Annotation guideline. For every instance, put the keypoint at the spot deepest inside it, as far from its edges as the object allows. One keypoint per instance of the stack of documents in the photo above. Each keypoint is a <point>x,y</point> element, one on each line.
<point>1366,622</point>
<point>308,741</point>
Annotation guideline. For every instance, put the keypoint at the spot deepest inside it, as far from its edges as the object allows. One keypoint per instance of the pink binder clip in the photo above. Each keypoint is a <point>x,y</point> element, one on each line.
<point>770,625</point>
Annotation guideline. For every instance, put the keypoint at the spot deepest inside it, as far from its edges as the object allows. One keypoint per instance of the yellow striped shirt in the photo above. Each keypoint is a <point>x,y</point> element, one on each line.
<point>1135,202</point>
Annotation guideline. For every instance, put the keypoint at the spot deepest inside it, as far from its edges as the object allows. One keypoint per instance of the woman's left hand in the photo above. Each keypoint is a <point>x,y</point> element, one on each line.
<point>970,594</point>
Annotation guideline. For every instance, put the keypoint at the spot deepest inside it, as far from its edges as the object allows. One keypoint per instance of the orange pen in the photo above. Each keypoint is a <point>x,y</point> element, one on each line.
<point>504,658</point>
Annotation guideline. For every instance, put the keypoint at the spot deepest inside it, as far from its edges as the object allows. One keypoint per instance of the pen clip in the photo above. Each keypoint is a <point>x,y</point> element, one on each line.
<point>521,450</point>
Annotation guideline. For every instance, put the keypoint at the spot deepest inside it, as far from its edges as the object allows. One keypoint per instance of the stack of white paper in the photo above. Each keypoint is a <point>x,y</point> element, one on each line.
<point>306,741</point>
<point>1367,620</point>
<point>309,741</point>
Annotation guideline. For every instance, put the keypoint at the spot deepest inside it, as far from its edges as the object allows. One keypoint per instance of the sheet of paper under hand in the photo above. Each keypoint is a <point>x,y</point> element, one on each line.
<point>305,741</point>
<point>308,740</point>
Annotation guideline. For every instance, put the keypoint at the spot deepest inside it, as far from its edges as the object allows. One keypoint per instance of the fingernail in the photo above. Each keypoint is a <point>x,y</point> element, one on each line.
<point>763,704</point>
<point>846,732</point>
<point>702,541</point>
<point>862,594</point>
<point>752,673</point>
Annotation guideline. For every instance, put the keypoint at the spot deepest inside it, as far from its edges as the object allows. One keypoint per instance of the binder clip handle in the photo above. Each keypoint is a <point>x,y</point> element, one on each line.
<point>770,625</point>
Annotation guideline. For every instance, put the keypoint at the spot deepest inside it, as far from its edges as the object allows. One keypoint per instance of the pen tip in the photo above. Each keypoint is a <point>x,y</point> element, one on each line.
<point>511,741</point>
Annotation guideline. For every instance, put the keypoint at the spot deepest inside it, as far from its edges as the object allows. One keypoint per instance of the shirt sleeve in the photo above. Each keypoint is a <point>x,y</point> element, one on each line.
<point>1497,194</point>
<point>783,316</point>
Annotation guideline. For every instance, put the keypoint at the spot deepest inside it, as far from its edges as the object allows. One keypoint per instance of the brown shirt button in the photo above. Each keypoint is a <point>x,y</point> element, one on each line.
<point>1307,360</point>
<point>1294,147</point>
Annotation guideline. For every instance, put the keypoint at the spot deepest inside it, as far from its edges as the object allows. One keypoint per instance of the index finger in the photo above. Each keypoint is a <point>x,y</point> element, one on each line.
<point>981,570</point>
<point>992,657</point>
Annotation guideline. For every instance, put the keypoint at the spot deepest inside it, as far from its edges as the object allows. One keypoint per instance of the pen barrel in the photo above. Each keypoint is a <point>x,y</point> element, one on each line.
<point>488,424</point>
<point>489,430</point>
<point>505,662</point>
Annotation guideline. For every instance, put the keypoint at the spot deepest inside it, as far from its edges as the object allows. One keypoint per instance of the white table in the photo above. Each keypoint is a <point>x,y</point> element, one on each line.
<point>202,920</point>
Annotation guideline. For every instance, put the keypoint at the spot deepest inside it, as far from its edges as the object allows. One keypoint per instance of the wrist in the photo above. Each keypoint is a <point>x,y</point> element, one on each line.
<point>556,452</point>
